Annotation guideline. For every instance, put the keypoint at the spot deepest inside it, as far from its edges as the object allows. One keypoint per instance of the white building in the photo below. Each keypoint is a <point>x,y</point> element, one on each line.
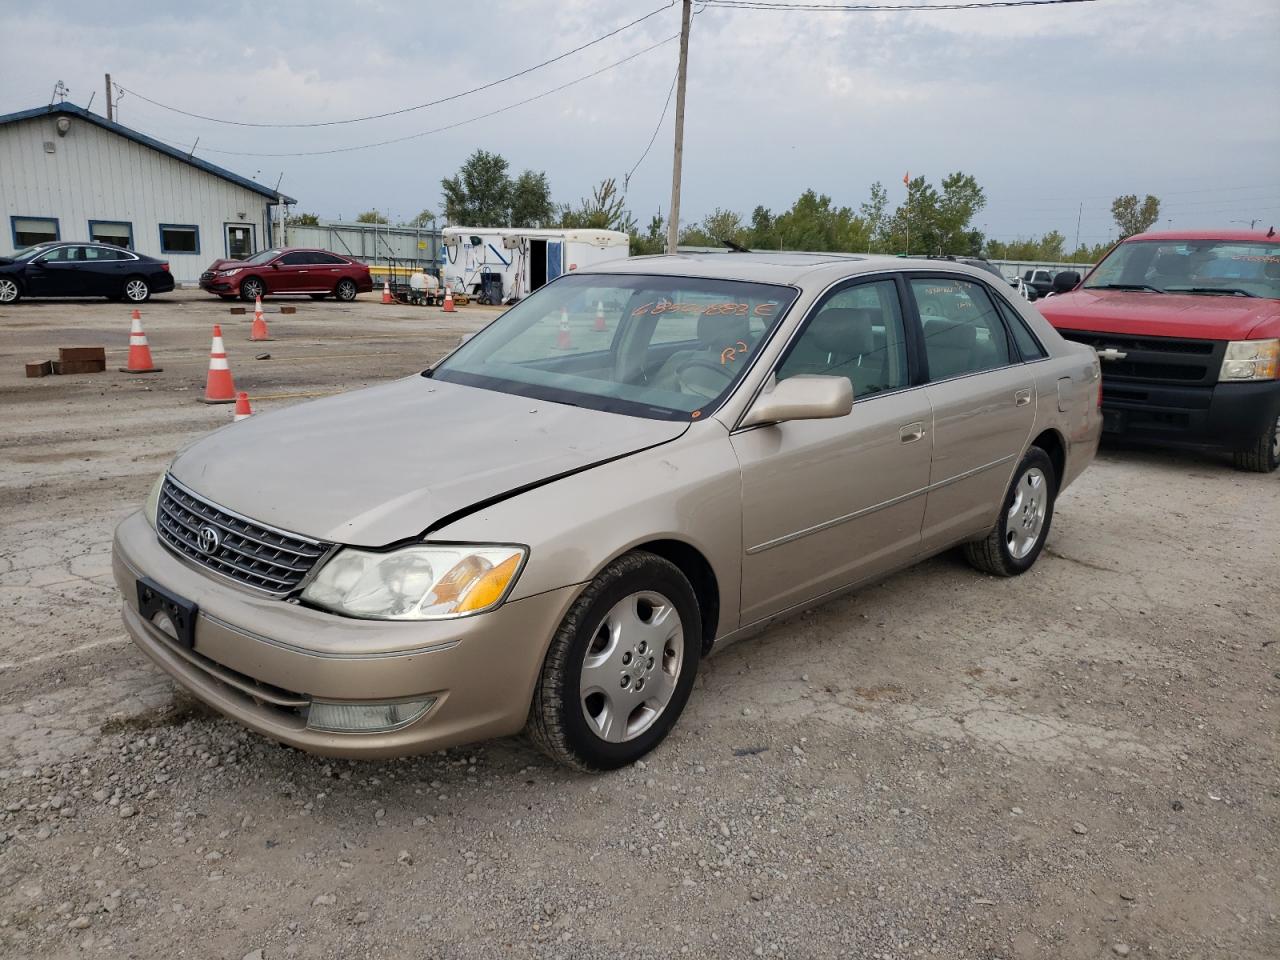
<point>68,174</point>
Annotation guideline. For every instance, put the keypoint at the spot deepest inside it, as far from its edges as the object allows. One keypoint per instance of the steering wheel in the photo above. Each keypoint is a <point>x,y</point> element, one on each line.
<point>710,392</point>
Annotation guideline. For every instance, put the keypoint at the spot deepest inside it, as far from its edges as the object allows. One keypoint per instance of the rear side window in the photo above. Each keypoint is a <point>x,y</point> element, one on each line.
<point>963,334</point>
<point>1028,345</point>
<point>326,258</point>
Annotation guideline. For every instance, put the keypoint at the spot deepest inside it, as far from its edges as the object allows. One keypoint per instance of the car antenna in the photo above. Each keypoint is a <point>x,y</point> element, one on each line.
<point>1271,233</point>
<point>733,245</point>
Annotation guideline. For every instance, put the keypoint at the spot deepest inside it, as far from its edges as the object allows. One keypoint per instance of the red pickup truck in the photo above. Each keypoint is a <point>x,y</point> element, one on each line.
<point>1187,326</point>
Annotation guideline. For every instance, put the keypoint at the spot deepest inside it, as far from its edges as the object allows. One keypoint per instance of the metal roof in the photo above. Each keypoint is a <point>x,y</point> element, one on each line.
<point>72,110</point>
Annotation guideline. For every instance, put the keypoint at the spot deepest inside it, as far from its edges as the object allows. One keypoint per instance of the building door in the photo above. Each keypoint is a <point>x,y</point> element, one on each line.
<point>239,240</point>
<point>555,259</point>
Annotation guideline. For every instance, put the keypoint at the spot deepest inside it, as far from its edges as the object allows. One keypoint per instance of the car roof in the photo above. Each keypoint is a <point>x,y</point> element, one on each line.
<point>792,269</point>
<point>1253,236</point>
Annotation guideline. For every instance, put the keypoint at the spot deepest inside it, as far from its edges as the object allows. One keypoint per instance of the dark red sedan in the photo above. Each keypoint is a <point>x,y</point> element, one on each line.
<point>292,270</point>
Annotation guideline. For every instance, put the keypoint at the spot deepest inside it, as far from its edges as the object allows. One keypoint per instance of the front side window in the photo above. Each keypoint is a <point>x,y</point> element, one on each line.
<point>115,232</point>
<point>652,346</point>
<point>59,255</point>
<point>296,259</point>
<point>176,238</point>
<point>32,230</point>
<point>857,333</point>
<point>1207,267</point>
<point>962,332</point>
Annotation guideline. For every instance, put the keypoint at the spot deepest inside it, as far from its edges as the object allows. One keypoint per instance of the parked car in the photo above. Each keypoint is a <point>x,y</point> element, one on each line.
<point>289,270</point>
<point>1188,328</point>
<point>1041,281</point>
<point>636,465</point>
<point>82,269</point>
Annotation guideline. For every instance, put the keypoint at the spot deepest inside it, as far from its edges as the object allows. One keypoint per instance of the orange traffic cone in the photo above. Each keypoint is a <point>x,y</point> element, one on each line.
<point>139,352</point>
<point>218,387</point>
<point>259,331</point>
<point>448,300</point>
<point>563,341</point>
<point>386,292</point>
<point>257,304</point>
<point>243,410</point>
<point>600,327</point>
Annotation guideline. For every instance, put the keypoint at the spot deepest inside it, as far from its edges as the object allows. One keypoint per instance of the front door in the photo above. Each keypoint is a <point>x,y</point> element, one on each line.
<point>826,503</point>
<point>239,241</point>
<point>56,274</point>
<point>984,406</point>
<point>290,273</point>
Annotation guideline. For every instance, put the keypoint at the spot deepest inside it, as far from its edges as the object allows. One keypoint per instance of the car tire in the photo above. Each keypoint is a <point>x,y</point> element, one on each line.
<point>251,288</point>
<point>318,296</point>
<point>10,292</point>
<point>345,290</point>
<point>613,630</point>
<point>1264,455</point>
<point>1020,533</point>
<point>137,290</point>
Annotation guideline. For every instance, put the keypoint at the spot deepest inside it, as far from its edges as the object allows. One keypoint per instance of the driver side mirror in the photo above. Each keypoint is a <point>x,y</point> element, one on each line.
<point>275,264</point>
<point>1066,281</point>
<point>802,397</point>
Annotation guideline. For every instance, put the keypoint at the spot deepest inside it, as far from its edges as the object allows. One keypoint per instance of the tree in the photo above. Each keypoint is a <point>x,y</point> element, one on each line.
<point>715,228</point>
<point>933,223</point>
<point>480,194</point>
<point>531,204</point>
<point>423,219</point>
<point>605,209</point>
<point>653,240</point>
<point>1132,218</point>
<point>875,213</point>
<point>371,216</point>
<point>763,235</point>
<point>303,220</point>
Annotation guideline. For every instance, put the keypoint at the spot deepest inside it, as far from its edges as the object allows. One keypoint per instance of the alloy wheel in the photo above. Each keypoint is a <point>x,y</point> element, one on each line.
<point>8,290</point>
<point>136,290</point>
<point>346,290</point>
<point>1275,437</point>
<point>1025,521</point>
<point>632,666</point>
<point>251,289</point>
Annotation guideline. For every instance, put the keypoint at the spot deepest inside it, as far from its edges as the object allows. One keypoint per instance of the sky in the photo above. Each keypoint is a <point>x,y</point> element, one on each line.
<point>1054,110</point>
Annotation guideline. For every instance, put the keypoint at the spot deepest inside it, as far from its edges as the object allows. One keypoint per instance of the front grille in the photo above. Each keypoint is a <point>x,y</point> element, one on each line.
<point>249,553</point>
<point>1171,360</point>
<point>207,275</point>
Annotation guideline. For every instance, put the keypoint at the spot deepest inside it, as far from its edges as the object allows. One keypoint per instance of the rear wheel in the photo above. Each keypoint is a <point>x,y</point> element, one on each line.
<point>345,290</point>
<point>9,290</point>
<point>136,290</point>
<point>1019,535</point>
<point>251,288</point>
<point>620,668</point>
<point>1264,455</point>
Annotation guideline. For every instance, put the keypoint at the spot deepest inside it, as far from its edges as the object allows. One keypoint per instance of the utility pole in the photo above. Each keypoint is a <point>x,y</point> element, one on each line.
<point>110,108</point>
<point>1079,214</point>
<point>673,224</point>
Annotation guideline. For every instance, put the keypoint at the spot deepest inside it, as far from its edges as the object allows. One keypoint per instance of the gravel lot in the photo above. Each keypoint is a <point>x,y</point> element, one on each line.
<point>1078,763</point>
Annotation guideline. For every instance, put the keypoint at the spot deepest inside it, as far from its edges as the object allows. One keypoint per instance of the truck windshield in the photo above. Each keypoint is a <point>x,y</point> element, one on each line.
<point>1208,267</point>
<point>661,347</point>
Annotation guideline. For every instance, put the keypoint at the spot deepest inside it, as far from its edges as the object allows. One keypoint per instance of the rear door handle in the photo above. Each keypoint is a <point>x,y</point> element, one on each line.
<point>911,432</point>
<point>1022,398</point>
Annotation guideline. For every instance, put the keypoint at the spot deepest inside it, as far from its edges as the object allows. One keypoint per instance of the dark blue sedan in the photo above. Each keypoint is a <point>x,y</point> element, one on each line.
<point>82,269</point>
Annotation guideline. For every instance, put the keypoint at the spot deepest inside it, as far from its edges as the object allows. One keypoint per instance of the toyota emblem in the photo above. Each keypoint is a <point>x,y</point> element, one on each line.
<point>210,539</point>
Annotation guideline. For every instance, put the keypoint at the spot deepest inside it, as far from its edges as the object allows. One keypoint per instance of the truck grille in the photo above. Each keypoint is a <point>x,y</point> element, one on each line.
<point>1155,359</point>
<point>249,553</point>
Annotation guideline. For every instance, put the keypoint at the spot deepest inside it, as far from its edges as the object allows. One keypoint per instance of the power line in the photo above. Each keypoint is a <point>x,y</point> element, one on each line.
<point>626,181</point>
<point>402,110</point>
<point>448,126</point>
<point>778,5</point>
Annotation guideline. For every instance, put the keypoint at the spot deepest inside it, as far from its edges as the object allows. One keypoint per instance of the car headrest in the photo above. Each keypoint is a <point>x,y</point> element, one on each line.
<point>716,331</point>
<point>844,330</point>
<point>950,334</point>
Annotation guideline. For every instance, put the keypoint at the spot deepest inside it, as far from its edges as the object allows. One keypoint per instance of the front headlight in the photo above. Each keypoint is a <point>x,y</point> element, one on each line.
<point>152,507</point>
<point>428,582</point>
<point>1251,360</point>
<point>229,273</point>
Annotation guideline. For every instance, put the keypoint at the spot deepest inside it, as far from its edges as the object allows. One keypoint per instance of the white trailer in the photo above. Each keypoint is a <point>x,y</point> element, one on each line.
<point>524,258</point>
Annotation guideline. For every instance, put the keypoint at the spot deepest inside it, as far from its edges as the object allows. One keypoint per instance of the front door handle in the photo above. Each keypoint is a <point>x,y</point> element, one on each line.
<point>911,432</point>
<point>1022,398</point>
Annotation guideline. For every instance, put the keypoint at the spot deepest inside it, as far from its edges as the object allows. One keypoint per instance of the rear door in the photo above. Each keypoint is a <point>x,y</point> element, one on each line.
<point>984,405</point>
<point>102,273</point>
<point>327,270</point>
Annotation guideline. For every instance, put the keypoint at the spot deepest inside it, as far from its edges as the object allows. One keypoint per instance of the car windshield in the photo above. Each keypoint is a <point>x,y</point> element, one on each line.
<point>1209,267</point>
<point>662,347</point>
<point>263,257</point>
<point>26,253</point>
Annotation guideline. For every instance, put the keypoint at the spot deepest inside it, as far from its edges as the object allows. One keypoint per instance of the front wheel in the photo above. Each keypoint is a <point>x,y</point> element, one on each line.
<point>9,290</point>
<point>1019,535</point>
<point>251,288</point>
<point>621,666</point>
<point>345,290</point>
<point>136,290</point>
<point>1262,457</point>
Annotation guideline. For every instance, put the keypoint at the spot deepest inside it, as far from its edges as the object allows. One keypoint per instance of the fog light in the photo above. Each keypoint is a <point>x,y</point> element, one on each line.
<point>365,717</point>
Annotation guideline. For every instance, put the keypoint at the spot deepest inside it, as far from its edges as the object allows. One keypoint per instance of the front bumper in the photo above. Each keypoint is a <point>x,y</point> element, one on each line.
<point>218,285</point>
<point>262,661</point>
<point>1225,416</point>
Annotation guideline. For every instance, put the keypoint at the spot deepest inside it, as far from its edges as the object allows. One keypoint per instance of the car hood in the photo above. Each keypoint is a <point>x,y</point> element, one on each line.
<point>375,466</point>
<point>1137,313</point>
<point>223,264</point>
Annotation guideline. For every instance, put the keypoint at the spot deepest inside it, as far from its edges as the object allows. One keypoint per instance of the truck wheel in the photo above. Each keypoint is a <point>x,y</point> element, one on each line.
<point>1019,535</point>
<point>1264,455</point>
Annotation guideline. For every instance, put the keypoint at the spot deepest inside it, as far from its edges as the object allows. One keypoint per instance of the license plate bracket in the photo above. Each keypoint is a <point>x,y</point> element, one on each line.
<point>154,599</point>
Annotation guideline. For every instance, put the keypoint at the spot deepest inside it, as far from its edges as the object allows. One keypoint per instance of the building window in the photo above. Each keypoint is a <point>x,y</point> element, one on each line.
<point>118,233</point>
<point>179,238</point>
<point>30,230</point>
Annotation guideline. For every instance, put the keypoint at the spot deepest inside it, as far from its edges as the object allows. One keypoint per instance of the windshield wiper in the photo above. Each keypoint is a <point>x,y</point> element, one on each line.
<point>1234,291</point>
<point>1123,286</point>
